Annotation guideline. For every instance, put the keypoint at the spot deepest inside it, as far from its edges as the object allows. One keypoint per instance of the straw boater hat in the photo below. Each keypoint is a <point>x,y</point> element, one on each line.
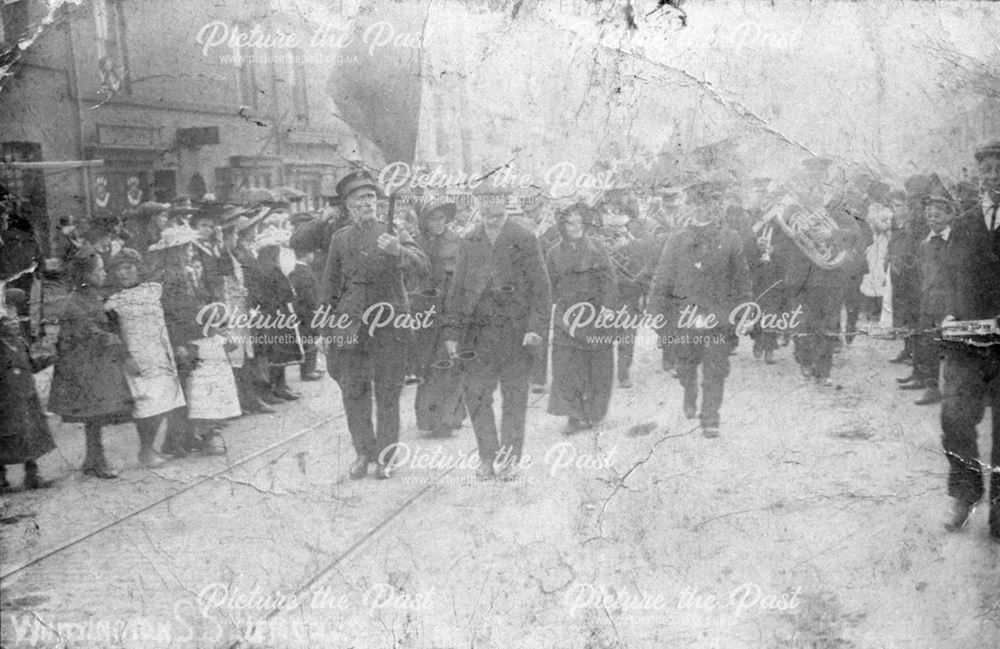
<point>125,256</point>
<point>273,236</point>
<point>178,235</point>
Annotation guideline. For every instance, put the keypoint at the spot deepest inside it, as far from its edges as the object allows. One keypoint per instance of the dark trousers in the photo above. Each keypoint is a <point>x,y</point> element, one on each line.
<point>926,352</point>
<point>971,383</point>
<point>691,350</point>
<point>374,368</point>
<point>820,327</point>
<point>764,341</point>
<point>309,359</point>
<point>853,299</point>
<point>581,382</point>
<point>438,404</point>
<point>500,359</point>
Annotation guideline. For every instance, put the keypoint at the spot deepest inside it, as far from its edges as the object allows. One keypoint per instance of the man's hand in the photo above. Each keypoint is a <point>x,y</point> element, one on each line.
<point>388,243</point>
<point>532,339</point>
<point>451,346</point>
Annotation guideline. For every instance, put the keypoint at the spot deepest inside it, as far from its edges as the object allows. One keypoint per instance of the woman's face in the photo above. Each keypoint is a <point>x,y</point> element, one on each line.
<point>573,227</point>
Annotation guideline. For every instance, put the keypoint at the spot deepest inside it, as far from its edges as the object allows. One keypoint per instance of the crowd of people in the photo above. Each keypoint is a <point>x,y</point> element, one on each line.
<point>462,292</point>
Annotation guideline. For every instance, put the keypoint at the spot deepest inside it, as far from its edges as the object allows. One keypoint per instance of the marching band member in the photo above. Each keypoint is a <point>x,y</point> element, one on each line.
<point>498,309</point>
<point>701,276</point>
<point>582,359</point>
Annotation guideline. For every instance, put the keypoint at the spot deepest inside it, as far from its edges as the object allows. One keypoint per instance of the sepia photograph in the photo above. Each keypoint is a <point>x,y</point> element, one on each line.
<point>499,324</point>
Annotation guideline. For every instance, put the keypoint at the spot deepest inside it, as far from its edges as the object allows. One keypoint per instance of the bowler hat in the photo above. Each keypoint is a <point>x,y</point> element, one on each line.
<point>989,149</point>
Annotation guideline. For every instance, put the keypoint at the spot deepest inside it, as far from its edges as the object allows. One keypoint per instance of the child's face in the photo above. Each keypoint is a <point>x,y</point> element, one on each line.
<point>938,216</point>
<point>206,229</point>
<point>127,275</point>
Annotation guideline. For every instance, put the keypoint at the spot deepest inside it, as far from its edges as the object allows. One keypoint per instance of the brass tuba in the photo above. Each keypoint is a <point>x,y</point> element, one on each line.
<point>814,232</point>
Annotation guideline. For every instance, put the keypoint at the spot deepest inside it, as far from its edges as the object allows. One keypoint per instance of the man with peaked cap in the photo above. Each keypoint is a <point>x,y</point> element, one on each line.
<point>701,277</point>
<point>972,374</point>
<point>497,313</point>
<point>818,290</point>
<point>366,265</point>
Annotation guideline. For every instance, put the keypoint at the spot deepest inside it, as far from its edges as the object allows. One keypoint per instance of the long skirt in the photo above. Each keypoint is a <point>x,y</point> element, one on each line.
<point>581,382</point>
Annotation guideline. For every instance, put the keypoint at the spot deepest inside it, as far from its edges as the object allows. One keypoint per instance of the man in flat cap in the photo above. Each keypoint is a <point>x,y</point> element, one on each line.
<point>972,374</point>
<point>497,313</point>
<point>366,265</point>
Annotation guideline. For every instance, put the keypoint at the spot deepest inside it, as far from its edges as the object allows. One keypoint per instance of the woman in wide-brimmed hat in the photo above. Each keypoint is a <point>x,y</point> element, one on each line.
<point>204,367</point>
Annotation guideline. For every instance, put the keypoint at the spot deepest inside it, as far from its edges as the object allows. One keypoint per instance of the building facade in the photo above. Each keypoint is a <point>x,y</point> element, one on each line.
<point>120,101</point>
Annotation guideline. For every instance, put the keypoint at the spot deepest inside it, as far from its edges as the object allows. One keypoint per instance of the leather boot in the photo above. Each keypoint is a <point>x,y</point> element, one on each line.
<point>931,396</point>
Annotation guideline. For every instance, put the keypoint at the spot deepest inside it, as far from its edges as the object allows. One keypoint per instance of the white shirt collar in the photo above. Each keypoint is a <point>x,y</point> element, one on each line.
<point>944,234</point>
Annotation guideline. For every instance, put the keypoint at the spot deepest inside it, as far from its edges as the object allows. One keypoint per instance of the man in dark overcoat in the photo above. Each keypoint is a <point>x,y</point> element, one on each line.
<point>363,281</point>
<point>496,312</point>
<point>701,277</point>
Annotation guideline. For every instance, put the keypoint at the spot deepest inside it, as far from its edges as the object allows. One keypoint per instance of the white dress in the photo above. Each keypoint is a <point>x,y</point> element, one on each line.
<point>156,389</point>
<point>234,296</point>
<point>211,385</point>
